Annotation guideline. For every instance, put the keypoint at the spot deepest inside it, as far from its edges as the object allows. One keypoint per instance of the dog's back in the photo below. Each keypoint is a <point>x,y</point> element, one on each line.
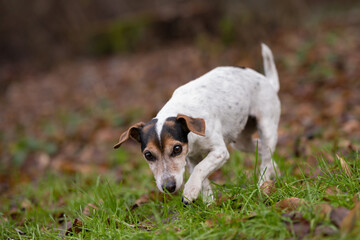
<point>225,94</point>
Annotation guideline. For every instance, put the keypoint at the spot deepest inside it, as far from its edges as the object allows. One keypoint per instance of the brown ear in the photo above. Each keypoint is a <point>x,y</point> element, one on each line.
<point>195,125</point>
<point>133,132</point>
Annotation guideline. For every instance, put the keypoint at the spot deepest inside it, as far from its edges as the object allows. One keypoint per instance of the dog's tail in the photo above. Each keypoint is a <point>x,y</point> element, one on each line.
<point>269,67</point>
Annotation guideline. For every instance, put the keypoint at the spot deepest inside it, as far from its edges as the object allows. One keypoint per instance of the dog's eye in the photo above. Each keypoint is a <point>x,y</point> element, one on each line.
<point>149,156</point>
<point>176,150</point>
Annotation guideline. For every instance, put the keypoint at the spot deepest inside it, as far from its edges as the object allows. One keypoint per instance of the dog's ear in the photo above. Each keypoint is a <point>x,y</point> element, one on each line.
<point>133,132</point>
<point>195,125</point>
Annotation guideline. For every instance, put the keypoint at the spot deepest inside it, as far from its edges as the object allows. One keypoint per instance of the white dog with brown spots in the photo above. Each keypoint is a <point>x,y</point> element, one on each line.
<point>224,106</point>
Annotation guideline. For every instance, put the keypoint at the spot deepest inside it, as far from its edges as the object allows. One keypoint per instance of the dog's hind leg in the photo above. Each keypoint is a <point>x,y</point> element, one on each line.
<point>267,127</point>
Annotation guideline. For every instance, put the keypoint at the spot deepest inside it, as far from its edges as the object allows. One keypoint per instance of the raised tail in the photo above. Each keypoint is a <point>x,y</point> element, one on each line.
<point>269,67</point>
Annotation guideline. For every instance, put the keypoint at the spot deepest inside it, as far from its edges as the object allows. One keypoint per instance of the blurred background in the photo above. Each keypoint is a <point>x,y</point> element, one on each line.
<point>75,74</point>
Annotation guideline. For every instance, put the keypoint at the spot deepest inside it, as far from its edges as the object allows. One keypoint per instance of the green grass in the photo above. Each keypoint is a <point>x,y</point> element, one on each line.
<point>40,210</point>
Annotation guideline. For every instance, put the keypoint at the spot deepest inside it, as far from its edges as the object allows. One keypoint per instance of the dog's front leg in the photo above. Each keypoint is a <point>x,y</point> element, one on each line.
<point>206,190</point>
<point>213,161</point>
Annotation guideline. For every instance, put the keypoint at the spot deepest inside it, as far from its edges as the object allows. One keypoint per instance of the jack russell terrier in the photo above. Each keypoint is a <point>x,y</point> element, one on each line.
<point>224,106</point>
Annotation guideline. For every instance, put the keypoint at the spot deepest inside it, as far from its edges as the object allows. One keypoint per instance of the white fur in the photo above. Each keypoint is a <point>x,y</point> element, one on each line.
<point>225,97</point>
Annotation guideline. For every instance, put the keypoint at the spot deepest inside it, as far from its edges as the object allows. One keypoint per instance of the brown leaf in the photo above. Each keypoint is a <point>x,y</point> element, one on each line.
<point>349,221</point>
<point>344,166</point>
<point>333,190</point>
<point>290,204</point>
<point>218,177</point>
<point>214,221</point>
<point>324,209</point>
<point>145,198</point>
<point>74,227</point>
<point>87,208</point>
<point>297,224</point>
<point>268,187</point>
<point>338,214</point>
<point>209,222</point>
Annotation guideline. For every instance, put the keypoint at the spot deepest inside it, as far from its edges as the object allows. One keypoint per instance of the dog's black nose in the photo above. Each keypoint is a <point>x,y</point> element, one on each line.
<point>169,185</point>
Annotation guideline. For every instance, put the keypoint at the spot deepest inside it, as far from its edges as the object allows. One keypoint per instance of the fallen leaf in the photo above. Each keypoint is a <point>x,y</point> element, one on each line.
<point>349,221</point>
<point>222,217</point>
<point>297,224</point>
<point>74,227</point>
<point>332,190</point>
<point>328,157</point>
<point>218,177</point>
<point>209,222</point>
<point>87,210</point>
<point>268,187</point>
<point>221,198</point>
<point>338,214</point>
<point>145,198</point>
<point>324,209</point>
<point>344,166</point>
<point>64,228</point>
<point>290,204</point>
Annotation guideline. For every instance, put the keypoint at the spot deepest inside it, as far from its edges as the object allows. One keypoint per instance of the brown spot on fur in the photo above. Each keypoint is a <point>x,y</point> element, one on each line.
<point>170,123</point>
<point>147,128</point>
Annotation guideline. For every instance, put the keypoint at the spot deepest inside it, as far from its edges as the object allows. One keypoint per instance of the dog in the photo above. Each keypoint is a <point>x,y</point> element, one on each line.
<point>223,107</point>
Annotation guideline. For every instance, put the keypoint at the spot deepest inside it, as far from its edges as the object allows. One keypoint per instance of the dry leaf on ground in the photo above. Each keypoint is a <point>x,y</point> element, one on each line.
<point>350,220</point>
<point>268,187</point>
<point>297,224</point>
<point>214,221</point>
<point>345,167</point>
<point>89,208</point>
<point>324,209</point>
<point>290,204</point>
<point>74,227</point>
<point>332,190</point>
<point>338,214</point>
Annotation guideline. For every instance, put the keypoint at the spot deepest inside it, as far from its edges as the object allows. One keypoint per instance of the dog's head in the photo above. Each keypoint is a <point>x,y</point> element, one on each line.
<point>165,147</point>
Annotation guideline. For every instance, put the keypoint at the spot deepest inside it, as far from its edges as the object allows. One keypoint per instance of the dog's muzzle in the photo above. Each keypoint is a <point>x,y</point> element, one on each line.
<point>169,185</point>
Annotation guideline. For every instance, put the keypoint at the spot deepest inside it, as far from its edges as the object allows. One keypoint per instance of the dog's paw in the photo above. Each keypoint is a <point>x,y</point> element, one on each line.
<point>191,192</point>
<point>186,202</point>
